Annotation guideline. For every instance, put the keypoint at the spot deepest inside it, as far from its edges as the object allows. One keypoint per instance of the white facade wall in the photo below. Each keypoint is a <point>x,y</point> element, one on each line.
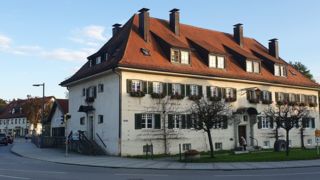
<point>14,126</point>
<point>106,103</point>
<point>132,140</point>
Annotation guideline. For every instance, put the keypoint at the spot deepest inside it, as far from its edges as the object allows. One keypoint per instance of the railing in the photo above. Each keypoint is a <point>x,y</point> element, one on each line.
<point>105,146</point>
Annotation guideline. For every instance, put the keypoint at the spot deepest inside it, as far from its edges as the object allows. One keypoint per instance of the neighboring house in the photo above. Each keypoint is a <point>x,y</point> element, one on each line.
<point>56,126</point>
<point>114,95</point>
<point>13,121</point>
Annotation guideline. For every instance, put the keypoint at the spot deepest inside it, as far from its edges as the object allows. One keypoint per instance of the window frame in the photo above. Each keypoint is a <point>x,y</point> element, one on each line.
<point>145,121</point>
<point>134,85</point>
<point>156,85</point>
<point>215,58</point>
<point>176,56</point>
<point>175,87</point>
<point>98,60</point>
<point>265,122</point>
<point>82,120</point>
<point>194,90</point>
<point>100,88</point>
<point>182,61</point>
<point>280,70</point>
<point>100,119</point>
<point>253,67</point>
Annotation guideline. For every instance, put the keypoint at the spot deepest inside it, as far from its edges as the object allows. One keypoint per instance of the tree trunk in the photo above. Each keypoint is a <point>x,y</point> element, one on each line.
<point>277,134</point>
<point>287,143</point>
<point>210,143</point>
<point>301,137</point>
<point>165,135</point>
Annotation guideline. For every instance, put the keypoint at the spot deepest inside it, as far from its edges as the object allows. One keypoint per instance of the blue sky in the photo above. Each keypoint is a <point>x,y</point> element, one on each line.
<point>47,41</point>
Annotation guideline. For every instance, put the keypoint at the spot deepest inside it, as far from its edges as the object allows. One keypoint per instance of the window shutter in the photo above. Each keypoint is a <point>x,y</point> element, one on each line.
<point>219,92</point>
<point>224,122</point>
<point>189,122</point>
<point>169,89</point>
<point>150,87</point>
<point>277,96</point>
<point>183,121</point>
<point>271,122</point>
<point>187,90</point>
<point>286,97</point>
<point>170,121</point>
<point>144,87</point>
<point>270,96</point>
<point>313,123</point>
<point>164,89</point>
<point>200,91</point>
<point>137,119</point>
<point>248,95</point>
<point>87,92</point>
<point>183,92</point>
<point>234,93</point>
<point>95,91</point>
<point>129,82</point>
<point>208,92</point>
<point>157,121</point>
<point>223,92</point>
<point>304,122</point>
<point>297,97</point>
<point>259,122</point>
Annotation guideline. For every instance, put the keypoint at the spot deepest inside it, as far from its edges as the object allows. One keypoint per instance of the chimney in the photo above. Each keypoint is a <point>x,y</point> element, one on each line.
<point>238,34</point>
<point>116,28</point>
<point>175,21</point>
<point>274,48</point>
<point>144,23</point>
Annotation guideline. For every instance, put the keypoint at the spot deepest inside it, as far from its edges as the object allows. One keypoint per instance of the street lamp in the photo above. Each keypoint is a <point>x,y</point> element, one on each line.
<point>42,112</point>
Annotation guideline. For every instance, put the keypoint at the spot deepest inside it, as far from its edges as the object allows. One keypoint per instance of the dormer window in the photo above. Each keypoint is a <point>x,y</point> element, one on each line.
<point>280,70</point>
<point>180,56</point>
<point>216,61</point>
<point>252,66</point>
<point>106,56</point>
<point>98,60</point>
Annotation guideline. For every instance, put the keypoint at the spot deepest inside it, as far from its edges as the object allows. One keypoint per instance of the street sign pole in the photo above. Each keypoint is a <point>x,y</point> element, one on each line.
<point>317,135</point>
<point>66,134</point>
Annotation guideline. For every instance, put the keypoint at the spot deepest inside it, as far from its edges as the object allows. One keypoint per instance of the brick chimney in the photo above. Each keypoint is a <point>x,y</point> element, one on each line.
<point>274,48</point>
<point>144,23</point>
<point>116,28</point>
<point>175,21</point>
<point>238,34</point>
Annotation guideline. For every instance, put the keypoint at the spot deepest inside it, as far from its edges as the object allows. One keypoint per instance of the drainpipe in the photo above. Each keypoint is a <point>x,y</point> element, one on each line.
<point>120,105</point>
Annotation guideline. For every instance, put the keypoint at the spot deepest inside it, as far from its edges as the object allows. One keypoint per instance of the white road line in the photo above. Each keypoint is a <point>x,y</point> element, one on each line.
<point>13,177</point>
<point>155,175</point>
<point>266,175</point>
<point>32,171</point>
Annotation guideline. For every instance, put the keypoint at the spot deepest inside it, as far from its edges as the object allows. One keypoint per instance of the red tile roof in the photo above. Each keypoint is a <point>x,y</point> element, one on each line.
<point>129,42</point>
<point>63,103</point>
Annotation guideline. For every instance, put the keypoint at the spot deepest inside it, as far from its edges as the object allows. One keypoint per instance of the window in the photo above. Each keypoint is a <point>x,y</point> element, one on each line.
<point>309,142</point>
<point>176,89</point>
<point>15,121</point>
<point>100,88</point>
<point>230,92</point>
<point>266,144</point>
<point>265,122</point>
<point>252,96</point>
<point>147,121</point>
<point>220,62</point>
<point>100,119</point>
<point>11,121</point>
<point>308,122</point>
<point>106,57</point>
<point>136,86</point>
<point>214,91</point>
<point>157,87</point>
<point>84,92</point>
<point>98,60</point>
<point>185,57</point>
<point>216,61</point>
<point>186,147</point>
<point>180,56</point>
<point>290,143</point>
<point>82,120</point>
<point>194,90</point>
<point>280,70</point>
<point>253,66</point>
<point>266,97</point>
<point>174,121</point>
<point>218,146</point>
<point>175,55</point>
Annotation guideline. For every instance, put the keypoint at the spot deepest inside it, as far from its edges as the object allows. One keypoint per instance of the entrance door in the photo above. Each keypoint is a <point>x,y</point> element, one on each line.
<point>242,131</point>
<point>90,127</point>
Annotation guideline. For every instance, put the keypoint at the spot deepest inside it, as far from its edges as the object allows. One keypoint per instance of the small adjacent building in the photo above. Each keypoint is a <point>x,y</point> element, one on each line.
<point>54,122</point>
<point>117,95</point>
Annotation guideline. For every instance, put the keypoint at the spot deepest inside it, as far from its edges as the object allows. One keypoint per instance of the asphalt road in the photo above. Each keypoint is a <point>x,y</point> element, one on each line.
<point>13,167</point>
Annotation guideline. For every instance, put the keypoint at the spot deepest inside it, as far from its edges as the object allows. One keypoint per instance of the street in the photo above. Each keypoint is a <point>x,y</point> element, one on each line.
<point>15,167</point>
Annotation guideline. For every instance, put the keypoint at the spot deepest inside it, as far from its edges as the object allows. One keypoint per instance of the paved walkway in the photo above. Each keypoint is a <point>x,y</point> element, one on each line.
<point>29,150</point>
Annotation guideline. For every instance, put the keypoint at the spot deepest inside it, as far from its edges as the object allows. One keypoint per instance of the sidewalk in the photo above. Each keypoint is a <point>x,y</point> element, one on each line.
<point>29,150</point>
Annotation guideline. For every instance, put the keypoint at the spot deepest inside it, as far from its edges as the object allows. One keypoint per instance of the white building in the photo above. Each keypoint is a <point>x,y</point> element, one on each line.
<point>115,96</point>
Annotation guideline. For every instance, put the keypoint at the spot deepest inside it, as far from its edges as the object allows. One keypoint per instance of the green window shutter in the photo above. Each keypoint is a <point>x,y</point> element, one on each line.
<point>313,123</point>
<point>129,82</point>
<point>144,87</point>
<point>208,92</point>
<point>164,88</point>
<point>234,93</point>
<point>137,120</point>
<point>150,87</point>
<point>224,122</point>
<point>200,90</point>
<point>304,122</point>
<point>183,90</point>
<point>271,122</point>
<point>169,89</point>
<point>277,96</point>
<point>189,121</point>
<point>223,90</point>
<point>157,121</point>
<point>95,91</point>
<point>183,121</point>
<point>87,92</point>
<point>170,121</point>
<point>248,95</point>
<point>187,90</point>
<point>270,96</point>
<point>220,92</point>
<point>259,122</point>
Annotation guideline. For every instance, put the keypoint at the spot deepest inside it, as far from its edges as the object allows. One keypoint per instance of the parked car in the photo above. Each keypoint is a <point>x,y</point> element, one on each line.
<point>10,139</point>
<point>3,139</point>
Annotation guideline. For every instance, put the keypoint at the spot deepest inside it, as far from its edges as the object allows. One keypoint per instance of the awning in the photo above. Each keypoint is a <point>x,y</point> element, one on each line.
<point>85,109</point>
<point>249,110</point>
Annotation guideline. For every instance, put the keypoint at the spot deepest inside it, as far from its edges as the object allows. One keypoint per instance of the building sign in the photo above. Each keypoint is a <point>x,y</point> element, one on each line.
<point>317,133</point>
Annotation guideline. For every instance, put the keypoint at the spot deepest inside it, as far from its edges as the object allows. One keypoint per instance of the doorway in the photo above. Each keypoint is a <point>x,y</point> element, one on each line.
<point>242,131</point>
<point>90,127</point>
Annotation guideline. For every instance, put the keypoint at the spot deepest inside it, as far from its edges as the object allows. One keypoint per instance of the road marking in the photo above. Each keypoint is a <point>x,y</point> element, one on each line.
<point>32,171</point>
<point>155,175</point>
<point>13,177</point>
<point>266,175</point>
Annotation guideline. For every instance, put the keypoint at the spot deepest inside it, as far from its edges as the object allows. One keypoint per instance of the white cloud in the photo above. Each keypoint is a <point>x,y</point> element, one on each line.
<point>95,32</point>
<point>67,54</point>
<point>5,41</point>
<point>27,50</point>
<point>92,35</point>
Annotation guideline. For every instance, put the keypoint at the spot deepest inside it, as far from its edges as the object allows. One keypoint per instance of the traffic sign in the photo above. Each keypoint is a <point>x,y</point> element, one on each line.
<point>317,140</point>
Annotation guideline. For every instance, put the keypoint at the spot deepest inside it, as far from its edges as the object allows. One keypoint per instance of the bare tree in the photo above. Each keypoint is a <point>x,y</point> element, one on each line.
<point>287,117</point>
<point>208,115</point>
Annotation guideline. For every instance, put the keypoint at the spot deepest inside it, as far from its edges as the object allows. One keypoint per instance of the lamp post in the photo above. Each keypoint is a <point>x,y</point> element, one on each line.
<point>42,112</point>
